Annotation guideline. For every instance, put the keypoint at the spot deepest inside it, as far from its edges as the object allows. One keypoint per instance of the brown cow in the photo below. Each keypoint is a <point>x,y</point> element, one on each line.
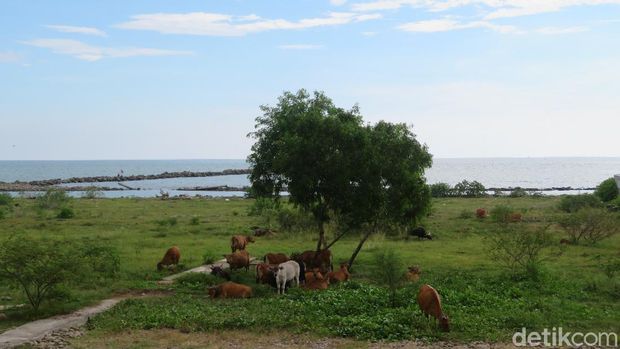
<point>171,257</point>
<point>340,275</point>
<point>264,273</point>
<point>238,260</point>
<point>413,274</point>
<point>430,304</point>
<point>319,282</point>
<point>239,242</point>
<point>515,217</point>
<point>481,213</point>
<point>322,260</point>
<point>275,258</point>
<point>312,275</point>
<point>230,290</point>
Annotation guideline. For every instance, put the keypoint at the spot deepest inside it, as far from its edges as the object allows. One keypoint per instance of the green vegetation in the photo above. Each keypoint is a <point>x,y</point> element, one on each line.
<point>473,189</point>
<point>66,213</point>
<point>590,225</point>
<point>577,289</point>
<point>573,203</point>
<point>53,199</point>
<point>607,190</point>
<point>441,190</point>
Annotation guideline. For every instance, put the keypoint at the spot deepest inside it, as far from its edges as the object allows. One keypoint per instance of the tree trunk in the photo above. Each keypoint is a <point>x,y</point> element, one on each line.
<point>359,248</point>
<point>321,238</point>
<point>335,240</point>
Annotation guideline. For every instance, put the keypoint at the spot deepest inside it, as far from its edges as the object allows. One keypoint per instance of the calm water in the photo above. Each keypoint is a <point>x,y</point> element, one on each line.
<point>492,172</point>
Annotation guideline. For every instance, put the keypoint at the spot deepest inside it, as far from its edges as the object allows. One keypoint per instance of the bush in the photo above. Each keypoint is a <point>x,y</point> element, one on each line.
<point>6,199</point>
<point>92,193</point>
<point>102,258</point>
<point>209,258</point>
<point>292,219</point>
<point>66,213</point>
<point>469,189</point>
<point>171,221</point>
<point>501,213</point>
<point>518,192</point>
<point>607,190</point>
<point>590,224</point>
<point>194,220</point>
<point>465,214</point>
<point>519,249</point>
<point>2,213</point>
<point>573,203</point>
<point>440,190</point>
<point>53,199</point>
<point>389,271</point>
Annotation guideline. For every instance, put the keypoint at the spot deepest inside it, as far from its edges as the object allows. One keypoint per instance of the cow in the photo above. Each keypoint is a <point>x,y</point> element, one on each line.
<point>481,213</point>
<point>171,257</point>
<point>319,282</point>
<point>230,290</point>
<point>340,275</point>
<point>421,233</point>
<point>322,260</point>
<point>515,217</point>
<point>312,274</point>
<point>275,258</point>
<point>286,271</point>
<point>239,242</point>
<point>413,274</point>
<point>430,304</point>
<point>219,271</point>
<point>238,260</point>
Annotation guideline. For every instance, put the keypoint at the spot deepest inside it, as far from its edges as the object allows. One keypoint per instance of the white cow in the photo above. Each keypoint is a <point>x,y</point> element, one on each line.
<point>286,271</point>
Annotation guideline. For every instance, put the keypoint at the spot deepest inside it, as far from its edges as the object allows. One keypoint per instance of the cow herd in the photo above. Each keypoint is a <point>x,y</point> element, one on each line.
<point>311,270</point>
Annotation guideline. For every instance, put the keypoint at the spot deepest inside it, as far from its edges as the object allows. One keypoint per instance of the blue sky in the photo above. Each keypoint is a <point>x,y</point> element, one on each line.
<point>153,79</point>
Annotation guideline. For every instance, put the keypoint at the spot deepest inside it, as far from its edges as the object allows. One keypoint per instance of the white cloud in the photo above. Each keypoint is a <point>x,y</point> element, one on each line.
<point>301,47</point>
<point>87,52</point>
<point>78,30</point>
<point>559,31</point>
<point>369,33</point>
<point>10,57</point>
<point>337,2</point>
<point>215,24</point>
<point>444,25</point>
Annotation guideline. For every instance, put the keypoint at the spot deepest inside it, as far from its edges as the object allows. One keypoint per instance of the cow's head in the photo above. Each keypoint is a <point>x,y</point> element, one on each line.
<point>444,323</point>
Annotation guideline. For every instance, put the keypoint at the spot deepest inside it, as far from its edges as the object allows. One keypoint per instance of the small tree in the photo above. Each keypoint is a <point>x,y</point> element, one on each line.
<point>53,199</point>
<point>389,271</point>
<point>590,224</point>
<point>469,189</point>
<point>441,190</point>
<point>607,190</point>
<point>574,203</point>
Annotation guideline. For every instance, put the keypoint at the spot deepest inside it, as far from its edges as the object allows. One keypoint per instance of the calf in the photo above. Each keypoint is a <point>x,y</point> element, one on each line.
<point>313,274</point>
<point>413,274</point>
<point>275,258</point>
<point>230,290</point>
<point>421,233</point>
<point>238,260</point>
<point>239,242</point>
<point>286,271</point>
<point>481,213</point>
<point>171,257</point>
<point>340,275</point>
<point>218,271</point>
<point>318,283</point>
<point>430,304</point>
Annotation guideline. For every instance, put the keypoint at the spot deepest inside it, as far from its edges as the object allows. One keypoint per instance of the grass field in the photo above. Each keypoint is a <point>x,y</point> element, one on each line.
<point>483,302</point>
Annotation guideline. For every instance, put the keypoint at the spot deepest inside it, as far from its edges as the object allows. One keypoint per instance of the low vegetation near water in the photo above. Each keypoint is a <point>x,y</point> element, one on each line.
<point>573,286</point>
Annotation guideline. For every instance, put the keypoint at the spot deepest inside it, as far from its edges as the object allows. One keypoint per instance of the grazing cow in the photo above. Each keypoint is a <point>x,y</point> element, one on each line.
<point>238,260</point>
<point>218,271</point>
<point>430,304</point>
<point>421,233</point>
<point>275,258</point>
<point>171,257</point>
<point>319,282</point>
<point>230,290</point>
<point>413,274</point>
<point>481,213</point>
<point>322,260</point>
<point>515,217</point>
<point>285,272</point>
<point>239,242</point>
<point>340,275</point>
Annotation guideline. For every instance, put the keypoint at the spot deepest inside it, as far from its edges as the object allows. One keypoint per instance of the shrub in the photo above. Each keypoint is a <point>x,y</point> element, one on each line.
<point>66,213</point>
<point>501,213</point>
<point>607,190</point>
<point>291,219</point>
<point>6,199</point>
<point>102,258</point>
<point>194,220</point>
<point>171,221</point>
<point>440,190</point>
<point>590,224</point>
<point>519,249</point>
<point>465,214</point>
<point>209,258</point>
<point>389,271</point>
<point>573,203</point>
<point>38,267</point>
<point>53,199</point>
<point>92,193</point>
<point>2,213</point>
<point>518,192</point>
<point>469,189</point>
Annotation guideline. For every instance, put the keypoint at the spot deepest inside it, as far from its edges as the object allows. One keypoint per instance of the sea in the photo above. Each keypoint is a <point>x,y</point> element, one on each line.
<point>575,172</point>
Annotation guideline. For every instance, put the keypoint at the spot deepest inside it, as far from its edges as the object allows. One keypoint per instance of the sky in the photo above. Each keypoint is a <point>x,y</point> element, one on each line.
<point>184,79</point>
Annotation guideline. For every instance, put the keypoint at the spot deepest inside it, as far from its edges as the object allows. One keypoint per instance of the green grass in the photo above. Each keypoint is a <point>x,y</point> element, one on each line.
<point>483,302</point>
